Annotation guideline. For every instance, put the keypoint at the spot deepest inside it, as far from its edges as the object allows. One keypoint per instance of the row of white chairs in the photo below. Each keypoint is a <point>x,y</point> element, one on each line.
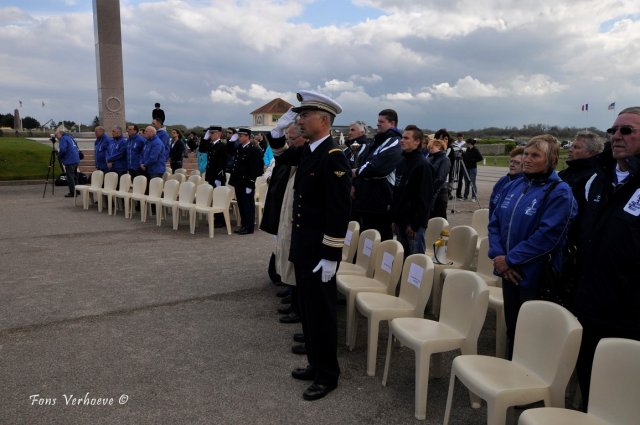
<point>189,197</point>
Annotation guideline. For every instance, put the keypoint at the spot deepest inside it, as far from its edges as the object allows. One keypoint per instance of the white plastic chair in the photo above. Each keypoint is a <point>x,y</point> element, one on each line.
<point>389,256</point>
<point>124,189</point>
<point>186,195</point>
<point>96,183</point>
<point>204,194</point>
<point>461,249</point>
<point>350,242</point>
<point>181,171</point>
<point>545,351</point>
<point>613,392</point>
<point>435,226</point>
<point>195,173</point>
<point>415,289</point>
<point>109,187</point>
<point>169,197</point>
<point>221,200</point>
<point>364,265</point>
<point>156,186</point>
<point>464,307</point>
<point>195,179</point>
<point>181,178</point>
<point>137,191</point>
<point>260,197</point>
<point>480,223</point>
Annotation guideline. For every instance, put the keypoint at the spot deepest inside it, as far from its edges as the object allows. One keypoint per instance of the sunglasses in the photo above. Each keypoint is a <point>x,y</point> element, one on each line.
<point>625,130</point>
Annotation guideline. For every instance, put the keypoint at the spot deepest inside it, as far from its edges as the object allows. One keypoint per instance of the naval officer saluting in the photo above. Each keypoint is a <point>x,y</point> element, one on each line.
<point>321,210</point>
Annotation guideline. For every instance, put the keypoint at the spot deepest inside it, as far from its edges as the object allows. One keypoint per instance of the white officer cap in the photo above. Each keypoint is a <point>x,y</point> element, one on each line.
<point>313,101</point>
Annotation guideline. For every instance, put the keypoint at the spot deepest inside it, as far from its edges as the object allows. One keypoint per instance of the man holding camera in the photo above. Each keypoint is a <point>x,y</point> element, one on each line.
<point>69,158</point>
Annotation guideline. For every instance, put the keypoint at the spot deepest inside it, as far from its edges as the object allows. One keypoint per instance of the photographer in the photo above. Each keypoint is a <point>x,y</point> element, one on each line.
<point>470,158</point>
<point>69,158</point>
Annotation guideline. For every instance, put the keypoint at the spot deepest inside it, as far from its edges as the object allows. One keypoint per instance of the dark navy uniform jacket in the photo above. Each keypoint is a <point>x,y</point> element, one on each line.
<point>246,167</point>
<point>321,200</point>
<point>216,163</point>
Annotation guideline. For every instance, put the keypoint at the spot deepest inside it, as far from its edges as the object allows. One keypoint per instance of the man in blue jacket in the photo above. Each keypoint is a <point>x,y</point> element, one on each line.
<point>135,146</point>
<point>152,162</point>
<point>117,155</point>
<point>70,158</point>
<point>162,134</point>
<point>101,148</point>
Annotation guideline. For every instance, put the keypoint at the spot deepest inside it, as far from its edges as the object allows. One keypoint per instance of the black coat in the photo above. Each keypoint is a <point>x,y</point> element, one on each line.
<point>275,195</point>
<point>321,200</point>
<point>413,193</point>
<point>216,163</point>
<point>176,153</point>
<point>247,167</point>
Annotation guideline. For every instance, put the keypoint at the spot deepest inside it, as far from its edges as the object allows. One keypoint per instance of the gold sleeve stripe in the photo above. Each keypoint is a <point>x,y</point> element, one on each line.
<point>335,150</point>
<point>333,242</point>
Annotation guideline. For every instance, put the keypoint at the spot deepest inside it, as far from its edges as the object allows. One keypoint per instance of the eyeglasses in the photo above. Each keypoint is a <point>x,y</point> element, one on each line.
<point>515,163</point>
<point>625,130</point>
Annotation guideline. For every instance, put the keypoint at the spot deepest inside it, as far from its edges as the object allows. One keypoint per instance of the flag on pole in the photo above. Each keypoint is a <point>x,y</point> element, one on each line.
<point>43,103</point>
<point>612,106</point>
<point>20,102</point>
<point>585,107</point>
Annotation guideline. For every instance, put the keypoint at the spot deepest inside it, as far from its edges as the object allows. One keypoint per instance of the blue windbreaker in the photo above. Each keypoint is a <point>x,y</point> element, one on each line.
<point>153,156</point>
<point>118,154</point>
<point>101,149</point>
<point>526,231</point>
<point>135,146</point>
<point>68,151</point>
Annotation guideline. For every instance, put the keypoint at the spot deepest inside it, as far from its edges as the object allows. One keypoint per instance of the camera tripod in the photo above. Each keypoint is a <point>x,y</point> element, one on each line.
<point>51,172</point>
<point>458,171</point>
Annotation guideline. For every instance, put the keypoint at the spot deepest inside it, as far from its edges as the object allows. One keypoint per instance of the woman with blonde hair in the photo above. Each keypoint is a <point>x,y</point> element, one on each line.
<point>528,229</point>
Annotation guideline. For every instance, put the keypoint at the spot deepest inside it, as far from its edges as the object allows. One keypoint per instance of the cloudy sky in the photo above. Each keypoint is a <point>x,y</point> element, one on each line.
<point>458,64</point>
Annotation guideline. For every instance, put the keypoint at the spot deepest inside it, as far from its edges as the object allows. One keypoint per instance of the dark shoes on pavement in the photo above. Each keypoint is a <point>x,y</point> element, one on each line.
<point>298,337</point>
<point>290,318</point>
<point>69,195</point>
<point>304,373</point>
<point>317,391</point>
<point>299,349</point>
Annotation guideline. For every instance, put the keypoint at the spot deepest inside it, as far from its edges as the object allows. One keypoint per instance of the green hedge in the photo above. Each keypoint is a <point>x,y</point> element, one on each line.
<point>22,159</point>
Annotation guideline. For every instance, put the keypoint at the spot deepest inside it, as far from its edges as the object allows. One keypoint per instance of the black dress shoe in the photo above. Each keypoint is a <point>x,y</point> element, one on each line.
<point>285,310</point>
<point>299,349</point>
<point>218,225</point>
<point>286,300</point>
<point>284,292</point>
<point>304,373</point>
<point>244,232</point>
<point>239,229</point>
<point>290,318</point>
<point>298,337</point>
<point>69,195</point>
<point>317,391</point>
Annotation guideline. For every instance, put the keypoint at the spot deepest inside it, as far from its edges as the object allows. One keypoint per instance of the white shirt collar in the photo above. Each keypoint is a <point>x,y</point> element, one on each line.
<point>315,144</point>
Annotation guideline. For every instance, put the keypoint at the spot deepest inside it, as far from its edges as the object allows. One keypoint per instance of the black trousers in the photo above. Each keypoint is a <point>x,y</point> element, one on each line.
<point>319,322</point>
<point>72,177</point>
<point>246,207</point>
<point>514,296</point>
<point>379,221</point>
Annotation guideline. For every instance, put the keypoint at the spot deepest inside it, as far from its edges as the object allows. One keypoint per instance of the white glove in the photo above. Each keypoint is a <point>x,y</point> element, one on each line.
<point>234,137</point>
<point>328,269</point>
<point>206,135</point>
<point>217,183</point>
<point>248,191</point>
<point>284,121</point>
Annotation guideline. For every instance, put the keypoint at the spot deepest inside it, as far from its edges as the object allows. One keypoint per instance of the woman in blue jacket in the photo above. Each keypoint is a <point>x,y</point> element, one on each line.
<point>529,227</point>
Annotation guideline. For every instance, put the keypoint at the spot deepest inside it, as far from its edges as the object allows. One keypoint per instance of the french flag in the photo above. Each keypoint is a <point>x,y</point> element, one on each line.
<point>585,107</point>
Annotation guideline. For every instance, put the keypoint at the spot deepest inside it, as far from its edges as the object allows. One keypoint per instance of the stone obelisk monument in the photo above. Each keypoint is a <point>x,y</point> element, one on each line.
<point>106,23</point>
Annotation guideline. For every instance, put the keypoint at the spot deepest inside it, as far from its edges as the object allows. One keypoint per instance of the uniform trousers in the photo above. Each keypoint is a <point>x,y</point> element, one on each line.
<point>247,208</point>
<point>319,322</point>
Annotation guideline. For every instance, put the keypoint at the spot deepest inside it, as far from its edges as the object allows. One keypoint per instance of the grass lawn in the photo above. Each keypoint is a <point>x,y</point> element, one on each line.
<point>22,159</point>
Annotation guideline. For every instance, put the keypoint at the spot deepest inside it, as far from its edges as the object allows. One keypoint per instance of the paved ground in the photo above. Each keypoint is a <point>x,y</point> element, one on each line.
<point>174,327</point>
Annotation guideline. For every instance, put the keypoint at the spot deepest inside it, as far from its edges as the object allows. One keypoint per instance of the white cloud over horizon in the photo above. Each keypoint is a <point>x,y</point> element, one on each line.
<point>454,64</point>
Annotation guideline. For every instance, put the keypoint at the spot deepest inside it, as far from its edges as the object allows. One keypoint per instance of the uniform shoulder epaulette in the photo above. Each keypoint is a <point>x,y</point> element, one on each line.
<point>335,150</point>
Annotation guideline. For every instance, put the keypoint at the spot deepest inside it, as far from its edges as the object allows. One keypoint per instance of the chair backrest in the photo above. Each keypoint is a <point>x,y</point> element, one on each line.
<point>480,222</point>
<point>170,191</point>
<point>416,281</point>
<point>261,191</point>
<point>351,241</point>
<point>166,175</point>
<point>203,194</point>
<point>156,186</point>
<point>181,178</point>
<point>367,244</point>
<point>465,299</point>
<point>187,192</point>
<point>461,247</point>
<point>389,256</point>
<point>484,264</point>
<point>222,197</point>
<point>260,180</point>
<point>615,381</point>
<point>125,183</point>
<point>195,179</point>
<point>140,185</point>
<point>547,341</point>
<point>434,227</point>
<point>181,171</point>
<point>110,181</point>
<point>97,178</point>
<point>195,173</point>
<point>168,170</point>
